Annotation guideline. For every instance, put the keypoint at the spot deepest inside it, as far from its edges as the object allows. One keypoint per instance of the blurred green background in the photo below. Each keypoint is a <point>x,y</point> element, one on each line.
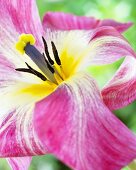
<point>122,11</point>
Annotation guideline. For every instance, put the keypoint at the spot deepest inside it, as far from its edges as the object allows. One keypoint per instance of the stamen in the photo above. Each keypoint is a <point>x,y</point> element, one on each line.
<point>55,52</point>
<point>38,74</point>
<point>32,71</point>
<point>47,52</point>
<point>48,65</point>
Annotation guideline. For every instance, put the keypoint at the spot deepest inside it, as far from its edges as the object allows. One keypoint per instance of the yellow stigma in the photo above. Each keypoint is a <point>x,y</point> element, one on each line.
<point>23,40</point>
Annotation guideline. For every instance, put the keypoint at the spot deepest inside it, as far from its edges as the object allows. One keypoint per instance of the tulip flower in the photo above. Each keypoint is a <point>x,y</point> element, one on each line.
<point>49,104</point>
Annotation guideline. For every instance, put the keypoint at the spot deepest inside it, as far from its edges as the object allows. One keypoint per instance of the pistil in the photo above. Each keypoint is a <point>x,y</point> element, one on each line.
<point>39,60</point>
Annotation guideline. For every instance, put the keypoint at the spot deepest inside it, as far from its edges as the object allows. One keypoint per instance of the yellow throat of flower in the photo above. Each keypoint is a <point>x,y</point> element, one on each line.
<point>61,56</point>
<point>52,66</point>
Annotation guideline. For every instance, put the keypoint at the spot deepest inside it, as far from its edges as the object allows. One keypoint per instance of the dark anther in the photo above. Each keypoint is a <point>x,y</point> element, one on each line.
<point>32,71</point>
<point>47,52</point>
<point>55,52</point>
<point>24,70</point>
<point>48,65</point>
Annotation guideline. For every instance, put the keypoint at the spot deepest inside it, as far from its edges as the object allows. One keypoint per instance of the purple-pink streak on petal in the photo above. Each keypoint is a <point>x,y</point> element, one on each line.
<point>7,74</point>
<point>64,21</point>
<point>19,163</point>
<point>121,89</point>
<point>80,130</point>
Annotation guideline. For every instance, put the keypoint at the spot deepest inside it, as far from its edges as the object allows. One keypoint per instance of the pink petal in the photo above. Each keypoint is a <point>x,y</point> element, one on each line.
<point>17,135</point>
<point>19,163</point>
<point>20,16</point>
<point>14,141</point>
<point>120,90</point>
<point>106,46</point>
<point>76,126</point>
<point>64,21</point>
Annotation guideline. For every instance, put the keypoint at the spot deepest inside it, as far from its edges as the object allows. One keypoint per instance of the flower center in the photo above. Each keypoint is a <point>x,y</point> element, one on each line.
<point>51,70</point>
